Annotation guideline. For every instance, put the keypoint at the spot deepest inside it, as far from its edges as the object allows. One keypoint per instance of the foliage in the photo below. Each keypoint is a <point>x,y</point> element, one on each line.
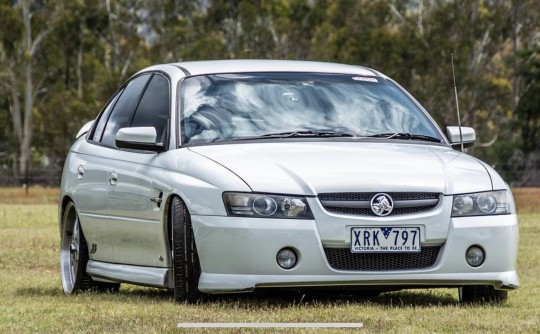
<point>528,109</point>
<point>90,47</point>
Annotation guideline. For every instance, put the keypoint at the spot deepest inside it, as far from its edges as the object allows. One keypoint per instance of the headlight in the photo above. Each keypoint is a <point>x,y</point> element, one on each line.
<point>266,206</point>
<point>482,204</point>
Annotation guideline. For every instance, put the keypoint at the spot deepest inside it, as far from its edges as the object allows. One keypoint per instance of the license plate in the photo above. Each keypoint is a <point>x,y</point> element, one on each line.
<point>385,239</point>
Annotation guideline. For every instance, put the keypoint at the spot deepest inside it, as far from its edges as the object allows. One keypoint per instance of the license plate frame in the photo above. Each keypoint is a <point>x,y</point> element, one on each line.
<point>385,239</point>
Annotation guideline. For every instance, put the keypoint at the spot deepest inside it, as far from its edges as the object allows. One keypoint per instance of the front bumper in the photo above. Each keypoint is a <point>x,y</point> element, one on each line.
<point>239,254</point>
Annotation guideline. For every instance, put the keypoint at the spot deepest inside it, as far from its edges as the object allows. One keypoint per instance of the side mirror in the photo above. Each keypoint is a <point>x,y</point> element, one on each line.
<point>138,138</point>
<point>468,135</point>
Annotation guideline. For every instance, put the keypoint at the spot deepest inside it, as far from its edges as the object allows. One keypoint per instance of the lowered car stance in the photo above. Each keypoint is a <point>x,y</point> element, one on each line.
<point>229,176</point>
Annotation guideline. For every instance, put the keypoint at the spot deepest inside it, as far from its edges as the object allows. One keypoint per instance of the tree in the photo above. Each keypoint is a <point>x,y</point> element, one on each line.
<point>78,83</point>
<point>20,59</point>
<point>96,46</point>
<point>528,109</point>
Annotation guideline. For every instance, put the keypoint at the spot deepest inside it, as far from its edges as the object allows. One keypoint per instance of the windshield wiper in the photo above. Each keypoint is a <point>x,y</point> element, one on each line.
<point>406,136</point>
<point>293,134</point>
<point>307,133</point>
<point>330,134</point>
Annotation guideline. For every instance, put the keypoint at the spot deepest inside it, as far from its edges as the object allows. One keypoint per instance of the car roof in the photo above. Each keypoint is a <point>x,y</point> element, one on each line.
<point>252,65</point>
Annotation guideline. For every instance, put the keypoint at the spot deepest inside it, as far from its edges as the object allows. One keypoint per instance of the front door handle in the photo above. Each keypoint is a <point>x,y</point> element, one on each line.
<point>113,178</point>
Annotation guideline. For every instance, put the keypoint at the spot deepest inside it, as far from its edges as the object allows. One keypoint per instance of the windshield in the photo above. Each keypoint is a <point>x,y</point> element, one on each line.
<point>265,105</point>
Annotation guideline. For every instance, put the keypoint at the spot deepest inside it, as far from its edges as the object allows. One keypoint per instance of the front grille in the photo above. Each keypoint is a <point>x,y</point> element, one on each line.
<point>368,212</point>
<point>343,259</point>
<point>360,203</point>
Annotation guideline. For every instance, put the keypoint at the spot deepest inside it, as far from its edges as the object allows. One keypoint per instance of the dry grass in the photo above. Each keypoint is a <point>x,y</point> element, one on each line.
<point>31,195</point>
<point>527,199</point>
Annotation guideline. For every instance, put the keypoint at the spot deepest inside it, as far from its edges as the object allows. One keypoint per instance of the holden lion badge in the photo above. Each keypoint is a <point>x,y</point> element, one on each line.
<point>382,204</point>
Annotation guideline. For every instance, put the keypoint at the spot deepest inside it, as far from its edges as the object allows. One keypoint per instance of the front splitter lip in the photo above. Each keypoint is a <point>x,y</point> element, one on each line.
<point>225,283</point>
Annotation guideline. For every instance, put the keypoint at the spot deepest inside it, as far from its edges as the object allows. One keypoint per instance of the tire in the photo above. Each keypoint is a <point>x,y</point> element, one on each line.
<point>74,257</point>
<point>186,266</point>
<point>481,294</point>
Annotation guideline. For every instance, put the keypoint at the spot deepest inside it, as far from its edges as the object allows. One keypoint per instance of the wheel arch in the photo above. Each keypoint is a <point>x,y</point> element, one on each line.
<point>167,219</point>
<point>62,208</point>
<point>186,269</point>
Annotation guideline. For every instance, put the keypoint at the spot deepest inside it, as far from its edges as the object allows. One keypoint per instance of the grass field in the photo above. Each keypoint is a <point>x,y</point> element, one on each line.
<point>32,301</point>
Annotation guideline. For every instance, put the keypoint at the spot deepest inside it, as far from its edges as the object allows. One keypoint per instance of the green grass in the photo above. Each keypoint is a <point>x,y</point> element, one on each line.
<point>32,300</point>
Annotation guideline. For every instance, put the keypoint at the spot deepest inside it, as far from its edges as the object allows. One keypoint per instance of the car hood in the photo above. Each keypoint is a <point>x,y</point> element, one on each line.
<point>311,168</point>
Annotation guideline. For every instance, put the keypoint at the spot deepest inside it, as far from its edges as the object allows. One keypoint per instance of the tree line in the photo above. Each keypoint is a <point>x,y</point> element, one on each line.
<point>60,60</point>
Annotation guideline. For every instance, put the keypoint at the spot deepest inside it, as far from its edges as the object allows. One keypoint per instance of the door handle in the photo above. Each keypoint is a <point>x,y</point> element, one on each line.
<point>80,172</point>
<point>113,178</point>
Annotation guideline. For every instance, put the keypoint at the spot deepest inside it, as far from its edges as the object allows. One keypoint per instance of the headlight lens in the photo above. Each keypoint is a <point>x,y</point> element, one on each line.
<point>482,204</point>
<point>266,205</point>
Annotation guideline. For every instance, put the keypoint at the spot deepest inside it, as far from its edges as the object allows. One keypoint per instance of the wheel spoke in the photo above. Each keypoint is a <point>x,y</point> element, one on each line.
<point>74,250</point>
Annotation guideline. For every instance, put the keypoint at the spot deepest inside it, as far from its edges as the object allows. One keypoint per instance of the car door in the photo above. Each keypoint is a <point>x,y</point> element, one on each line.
<point>134,200</point>
<point>96,165</point>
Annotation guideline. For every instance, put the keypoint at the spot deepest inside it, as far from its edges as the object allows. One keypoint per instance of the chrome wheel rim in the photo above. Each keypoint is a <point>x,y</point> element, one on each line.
<point>70,248</point>
<point>74,250</point>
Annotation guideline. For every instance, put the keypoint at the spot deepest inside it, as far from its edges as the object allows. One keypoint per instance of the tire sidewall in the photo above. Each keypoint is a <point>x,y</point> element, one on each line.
<point>186,267</point>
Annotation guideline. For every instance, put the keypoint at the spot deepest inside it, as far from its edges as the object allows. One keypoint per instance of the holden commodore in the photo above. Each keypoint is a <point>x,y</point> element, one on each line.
<point>229,176</point>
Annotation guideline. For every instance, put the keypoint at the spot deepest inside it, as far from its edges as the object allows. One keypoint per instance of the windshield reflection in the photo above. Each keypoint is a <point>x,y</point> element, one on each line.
<point>232,106</point>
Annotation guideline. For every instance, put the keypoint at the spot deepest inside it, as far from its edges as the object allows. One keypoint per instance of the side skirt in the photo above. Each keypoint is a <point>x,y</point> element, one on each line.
<point>123,273</point>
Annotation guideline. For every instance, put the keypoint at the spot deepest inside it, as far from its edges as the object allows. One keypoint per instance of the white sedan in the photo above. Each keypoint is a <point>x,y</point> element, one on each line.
<point>228,176</point>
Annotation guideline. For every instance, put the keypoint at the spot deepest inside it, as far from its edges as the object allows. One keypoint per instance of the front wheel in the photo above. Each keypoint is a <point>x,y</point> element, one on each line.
<point>186,267</point>
<point>481,294</point>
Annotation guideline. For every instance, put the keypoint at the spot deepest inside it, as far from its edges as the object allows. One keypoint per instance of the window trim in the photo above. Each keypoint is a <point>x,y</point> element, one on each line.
<point>120,91</point>
<point>134,112</point>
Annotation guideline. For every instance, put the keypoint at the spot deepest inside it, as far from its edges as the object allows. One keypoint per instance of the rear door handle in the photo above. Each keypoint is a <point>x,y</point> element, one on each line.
<point>113,178</point>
